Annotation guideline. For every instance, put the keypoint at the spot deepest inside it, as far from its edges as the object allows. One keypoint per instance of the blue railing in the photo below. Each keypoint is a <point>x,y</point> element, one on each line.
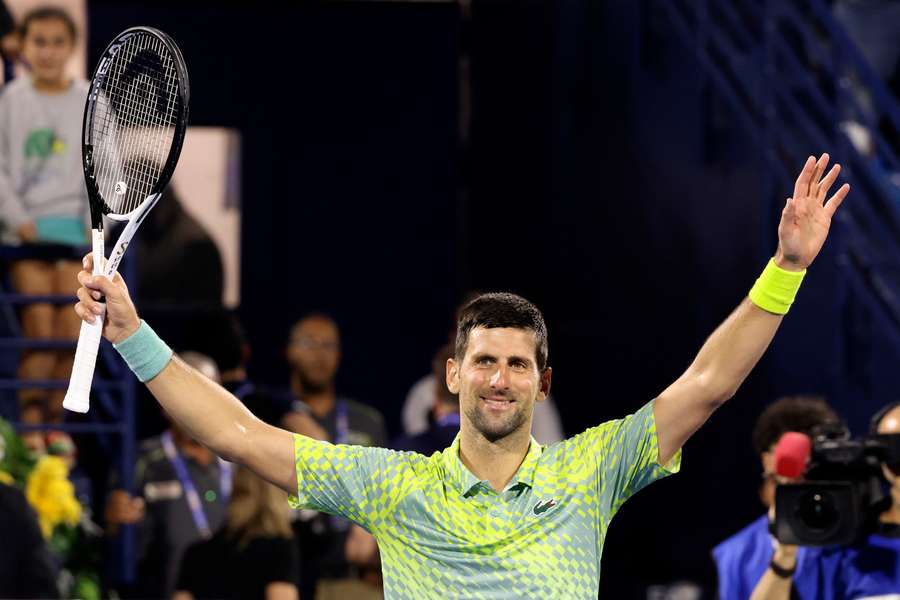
<point>795,80</point>
<point>113,392</point>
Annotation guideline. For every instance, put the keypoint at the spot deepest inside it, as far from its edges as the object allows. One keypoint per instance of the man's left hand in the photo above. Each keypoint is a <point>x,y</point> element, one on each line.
<point>806,217</point>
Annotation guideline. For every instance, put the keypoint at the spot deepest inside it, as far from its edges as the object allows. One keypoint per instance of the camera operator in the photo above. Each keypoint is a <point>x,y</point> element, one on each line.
<point>742,559</point>
<point>868,569</point>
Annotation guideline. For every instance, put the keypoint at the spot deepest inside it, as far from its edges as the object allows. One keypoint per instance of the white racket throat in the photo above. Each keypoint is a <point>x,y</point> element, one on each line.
<point>78,394</point>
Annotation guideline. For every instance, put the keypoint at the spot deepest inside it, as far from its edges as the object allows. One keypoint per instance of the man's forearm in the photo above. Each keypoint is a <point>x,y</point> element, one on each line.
<point>221,422</point>
<point>772,587</point>
<point>720,367</point>
<point>733,350</point>
<point>206,410</point>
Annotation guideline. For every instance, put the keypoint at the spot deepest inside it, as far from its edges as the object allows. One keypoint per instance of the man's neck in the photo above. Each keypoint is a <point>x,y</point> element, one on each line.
<point>494,462</point>
<point>320,402</point>
<point>51,86</point>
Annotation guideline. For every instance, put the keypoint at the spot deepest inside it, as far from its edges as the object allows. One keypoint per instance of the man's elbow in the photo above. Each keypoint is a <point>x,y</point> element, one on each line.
<point>713,391</point>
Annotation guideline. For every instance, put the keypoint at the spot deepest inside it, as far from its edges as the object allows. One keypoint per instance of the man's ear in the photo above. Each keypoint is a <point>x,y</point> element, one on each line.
<point>452,376</point>
<point>546,376</point>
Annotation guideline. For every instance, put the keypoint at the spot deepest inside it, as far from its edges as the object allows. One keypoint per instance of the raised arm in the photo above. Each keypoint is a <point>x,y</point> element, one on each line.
<point>212,415</point>
<point>736,345</point>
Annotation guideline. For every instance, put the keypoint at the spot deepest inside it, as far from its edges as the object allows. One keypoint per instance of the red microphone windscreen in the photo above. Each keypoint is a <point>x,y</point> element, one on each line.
<point>791,453</point>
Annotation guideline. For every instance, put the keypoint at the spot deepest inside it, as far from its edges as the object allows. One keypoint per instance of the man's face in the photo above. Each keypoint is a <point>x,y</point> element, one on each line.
<point>47,47</point>
<point>890,424</point>
<point>498,381</point>
<point>314,352</point>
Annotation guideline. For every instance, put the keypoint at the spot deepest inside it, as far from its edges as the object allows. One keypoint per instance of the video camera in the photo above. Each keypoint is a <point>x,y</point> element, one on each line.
<point>842,493</point>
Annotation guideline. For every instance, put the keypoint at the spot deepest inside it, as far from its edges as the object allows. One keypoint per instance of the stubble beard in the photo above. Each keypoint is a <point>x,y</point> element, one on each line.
<point>495,429</point>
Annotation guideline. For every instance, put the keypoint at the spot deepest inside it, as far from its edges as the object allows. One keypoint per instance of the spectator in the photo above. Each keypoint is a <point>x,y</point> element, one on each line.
<point>182,491</point>
<point>445,424</point>
<point>26,567</point>
<point>252,556</point>
<point>743,558</point>
<point>179,264</point>
<point>228,346</point>
<point>869,569</point>
<point>42,192</point>
<point>313,356</point>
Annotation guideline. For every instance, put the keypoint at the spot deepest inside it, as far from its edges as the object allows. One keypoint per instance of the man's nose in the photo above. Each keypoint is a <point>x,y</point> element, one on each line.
<point>500,378</point>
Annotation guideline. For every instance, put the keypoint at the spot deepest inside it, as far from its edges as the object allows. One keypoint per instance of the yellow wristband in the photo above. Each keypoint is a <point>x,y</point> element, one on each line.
<point>776,288</point>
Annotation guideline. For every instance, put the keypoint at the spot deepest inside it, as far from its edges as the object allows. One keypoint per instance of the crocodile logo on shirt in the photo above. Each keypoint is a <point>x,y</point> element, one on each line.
<point>542,507</point>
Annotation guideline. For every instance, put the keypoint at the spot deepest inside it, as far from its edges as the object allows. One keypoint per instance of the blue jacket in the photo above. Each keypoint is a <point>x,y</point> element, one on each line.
<point>839,573</point>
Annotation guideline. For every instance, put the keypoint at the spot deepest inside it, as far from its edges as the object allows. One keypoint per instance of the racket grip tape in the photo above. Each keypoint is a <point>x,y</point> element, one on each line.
<point>78,395</point>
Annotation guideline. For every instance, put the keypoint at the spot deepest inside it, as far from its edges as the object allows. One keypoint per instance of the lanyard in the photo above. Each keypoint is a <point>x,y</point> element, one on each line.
<point>187,484</point>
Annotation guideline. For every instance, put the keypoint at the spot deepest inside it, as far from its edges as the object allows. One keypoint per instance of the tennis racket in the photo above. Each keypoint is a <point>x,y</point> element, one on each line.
<point>135,119</point>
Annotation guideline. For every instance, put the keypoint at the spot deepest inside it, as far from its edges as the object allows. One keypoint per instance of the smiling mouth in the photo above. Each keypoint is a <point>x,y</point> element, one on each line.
<point>497,402</point>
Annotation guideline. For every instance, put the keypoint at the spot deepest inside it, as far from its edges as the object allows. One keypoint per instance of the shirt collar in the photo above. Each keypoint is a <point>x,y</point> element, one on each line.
<point>465,482</point>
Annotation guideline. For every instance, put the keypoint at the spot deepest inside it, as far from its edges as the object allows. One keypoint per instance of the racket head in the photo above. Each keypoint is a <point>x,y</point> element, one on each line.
<point>135,120</point>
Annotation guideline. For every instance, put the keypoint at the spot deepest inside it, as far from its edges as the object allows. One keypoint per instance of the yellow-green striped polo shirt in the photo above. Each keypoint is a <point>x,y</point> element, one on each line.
<point>445,534</point>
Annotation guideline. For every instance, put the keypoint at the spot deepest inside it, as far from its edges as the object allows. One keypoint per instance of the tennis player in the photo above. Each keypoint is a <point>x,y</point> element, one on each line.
<point>495,515</point>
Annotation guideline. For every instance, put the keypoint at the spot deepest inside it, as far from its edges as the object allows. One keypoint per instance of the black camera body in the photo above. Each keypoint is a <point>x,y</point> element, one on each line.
<point>842,495</point>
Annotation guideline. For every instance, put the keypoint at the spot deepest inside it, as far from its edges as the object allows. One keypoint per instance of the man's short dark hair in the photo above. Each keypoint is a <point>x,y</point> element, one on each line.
<point>803,414</point>
<point>502,310</point>
<point>44,13</point>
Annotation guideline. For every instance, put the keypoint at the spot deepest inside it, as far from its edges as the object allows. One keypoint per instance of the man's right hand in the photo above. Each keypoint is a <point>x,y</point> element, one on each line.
<point>121,317</point>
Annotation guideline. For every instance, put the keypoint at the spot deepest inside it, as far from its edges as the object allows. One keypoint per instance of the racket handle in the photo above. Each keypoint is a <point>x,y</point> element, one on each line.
<point>78,395</point>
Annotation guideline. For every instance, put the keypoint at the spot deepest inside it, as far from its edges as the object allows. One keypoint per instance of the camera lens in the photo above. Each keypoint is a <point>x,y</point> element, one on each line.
<point>817,510</point>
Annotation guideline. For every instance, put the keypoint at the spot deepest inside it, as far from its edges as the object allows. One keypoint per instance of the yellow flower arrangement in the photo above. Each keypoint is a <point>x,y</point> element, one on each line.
<point>6,478</point>
<point>52,495</point>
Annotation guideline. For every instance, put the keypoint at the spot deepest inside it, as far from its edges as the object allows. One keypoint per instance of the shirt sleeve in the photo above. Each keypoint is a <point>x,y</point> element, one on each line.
<point>359,483</point>
<point>624,456</point>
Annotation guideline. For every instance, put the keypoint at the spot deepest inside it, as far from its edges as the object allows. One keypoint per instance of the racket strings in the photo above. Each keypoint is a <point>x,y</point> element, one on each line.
<point>134,122</point>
